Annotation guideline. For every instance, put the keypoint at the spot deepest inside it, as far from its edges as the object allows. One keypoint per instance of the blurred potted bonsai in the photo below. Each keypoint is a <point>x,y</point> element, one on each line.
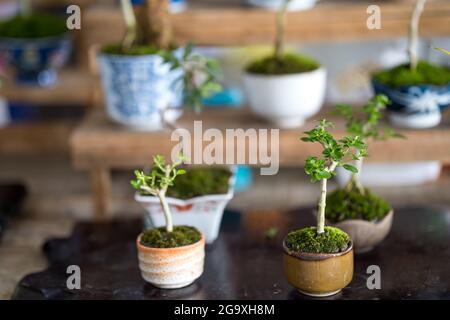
<point>332,247</point>
<point>285,88</point>
<point>146,78</point>
<point>366,217</point>
<point>198,199</point>
<point>418,90</point>
<point>35,45</point>
<point>170,257</point>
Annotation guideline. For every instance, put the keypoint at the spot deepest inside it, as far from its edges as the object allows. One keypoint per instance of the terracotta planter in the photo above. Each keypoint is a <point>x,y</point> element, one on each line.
<point>366,234</point>
<point>171,268</point>
<point>318,274</point>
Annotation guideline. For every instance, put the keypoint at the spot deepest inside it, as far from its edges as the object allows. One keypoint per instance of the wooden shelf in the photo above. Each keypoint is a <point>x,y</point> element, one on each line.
<point>74,87</point>
<point>230,22</point>
<point>47,137</point>
<point>97,142</point>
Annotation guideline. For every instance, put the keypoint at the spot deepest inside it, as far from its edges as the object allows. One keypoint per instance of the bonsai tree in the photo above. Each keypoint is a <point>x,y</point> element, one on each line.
<point>156,182</point>
<point>335,153</point>
<point>366,125</point>
<point>149,31</point>
<point>354,201</point>
<point>416,71</point>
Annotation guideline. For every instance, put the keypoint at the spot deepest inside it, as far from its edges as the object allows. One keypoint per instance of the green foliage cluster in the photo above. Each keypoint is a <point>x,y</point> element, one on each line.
<point>366,122</point>
<point>344,204</point>
<point>335,152</point>
<point>201,181</point>
<point>426,73</point>
<point>36,25</point>
<point>160,177</point>
<point>179,237</point>
<point>287,64</point>
<point>201,76</point>
<point>307,240</point>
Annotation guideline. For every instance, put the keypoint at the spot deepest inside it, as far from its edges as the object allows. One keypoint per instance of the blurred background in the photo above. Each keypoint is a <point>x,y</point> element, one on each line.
<point>38,119</point>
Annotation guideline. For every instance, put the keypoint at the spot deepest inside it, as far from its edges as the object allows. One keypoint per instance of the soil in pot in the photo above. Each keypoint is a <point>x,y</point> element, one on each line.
<point>36,25</point>
<point>366,217</point>
<point>201,181</point>
<point>426,73</point>
<point>288,64</point>
<point>171,260</point>
<point>318,264</point>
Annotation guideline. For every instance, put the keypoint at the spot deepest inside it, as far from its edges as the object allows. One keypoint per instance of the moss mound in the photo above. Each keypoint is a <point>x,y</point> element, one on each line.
<point>133,51</point>
<point>200,181</point>
<point>179,237</point>
<point>288,64</point>
<point>306,240</point>
<point>37,25</point>
<point>345,204</point>
<point>402,75</point>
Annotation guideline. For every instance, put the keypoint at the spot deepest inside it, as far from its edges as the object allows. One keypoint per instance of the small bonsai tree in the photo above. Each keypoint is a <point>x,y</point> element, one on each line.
<point>156,182</point>
<point>366,125</point>
<point>149,31</point>
<point>335,153</point>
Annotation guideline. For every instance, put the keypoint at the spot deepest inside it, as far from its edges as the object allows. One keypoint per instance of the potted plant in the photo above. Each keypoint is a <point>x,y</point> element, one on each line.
<point>285,88</point>
<point>35,45</point>
<point>366,217</point>
<point>170,257</point>
<point>418,90</point>
<point>146,78</point>
<point>318,260</point>
<point>199,199</point>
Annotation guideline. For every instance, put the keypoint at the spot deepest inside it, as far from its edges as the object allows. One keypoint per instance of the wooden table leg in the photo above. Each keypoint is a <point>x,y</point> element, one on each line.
<point>101,189</point>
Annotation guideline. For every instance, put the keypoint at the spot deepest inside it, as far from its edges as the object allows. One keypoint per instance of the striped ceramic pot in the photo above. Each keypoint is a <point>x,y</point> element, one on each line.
<point>171,268</point>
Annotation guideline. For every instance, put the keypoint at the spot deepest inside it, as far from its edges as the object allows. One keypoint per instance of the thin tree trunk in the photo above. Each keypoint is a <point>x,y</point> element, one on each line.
<point>414,33</point>
<point>131,24</point>
<point>25,7</point>
<point>166,210</point>
<point>322,205</point>
<point>281,26</point>
<point>157,28</point>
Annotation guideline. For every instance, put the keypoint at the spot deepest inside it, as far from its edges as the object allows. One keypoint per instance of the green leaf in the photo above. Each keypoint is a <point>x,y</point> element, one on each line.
<point>350,168</point>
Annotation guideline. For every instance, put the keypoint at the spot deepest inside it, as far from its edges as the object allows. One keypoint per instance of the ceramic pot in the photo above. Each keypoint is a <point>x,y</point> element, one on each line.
<point>36,61</point>
<point>138,88</point>
<point>286,100</point>
<point>366,234</point>
<point>318,274</point>
<point>171,268</point>
<point>203,212</point>
<point>415,106</point>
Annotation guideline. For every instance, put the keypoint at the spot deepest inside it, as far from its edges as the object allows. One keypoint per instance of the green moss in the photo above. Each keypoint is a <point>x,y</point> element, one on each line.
<point>179,237</point>
<point>117,49</point>
<point>333,240</point>
<point>345,204</point>
<point>200,181</point>
<point>402,75</point>
<point>288,64</point>
<point>37,25</point>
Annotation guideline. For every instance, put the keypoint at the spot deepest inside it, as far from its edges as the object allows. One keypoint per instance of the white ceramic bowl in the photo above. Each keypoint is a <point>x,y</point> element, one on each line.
<point>286,100</point>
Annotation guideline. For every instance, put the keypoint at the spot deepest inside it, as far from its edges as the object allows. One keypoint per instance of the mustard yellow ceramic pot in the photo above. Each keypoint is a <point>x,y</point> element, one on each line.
<point>171,268</point>
<point>318,274</point>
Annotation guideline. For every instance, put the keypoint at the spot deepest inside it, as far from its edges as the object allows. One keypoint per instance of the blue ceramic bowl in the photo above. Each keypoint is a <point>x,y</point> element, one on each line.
<point>415,106</point>
<point>137,88</point>
<point>36,61</point>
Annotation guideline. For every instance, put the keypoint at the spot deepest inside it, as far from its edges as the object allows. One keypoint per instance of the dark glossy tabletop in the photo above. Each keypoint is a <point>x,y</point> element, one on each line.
<point>243,264</point>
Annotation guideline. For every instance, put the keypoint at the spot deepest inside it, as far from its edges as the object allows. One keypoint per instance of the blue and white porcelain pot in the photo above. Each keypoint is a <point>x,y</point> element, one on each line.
<point>415,106</point>
<point>36,61</point>
<point>138,89</point>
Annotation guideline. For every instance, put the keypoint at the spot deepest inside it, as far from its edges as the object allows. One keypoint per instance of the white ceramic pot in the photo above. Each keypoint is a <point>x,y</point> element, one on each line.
<point>171,268</point>
<point>394,174</point>
<point>204,212</point>
<point>286,100</point>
